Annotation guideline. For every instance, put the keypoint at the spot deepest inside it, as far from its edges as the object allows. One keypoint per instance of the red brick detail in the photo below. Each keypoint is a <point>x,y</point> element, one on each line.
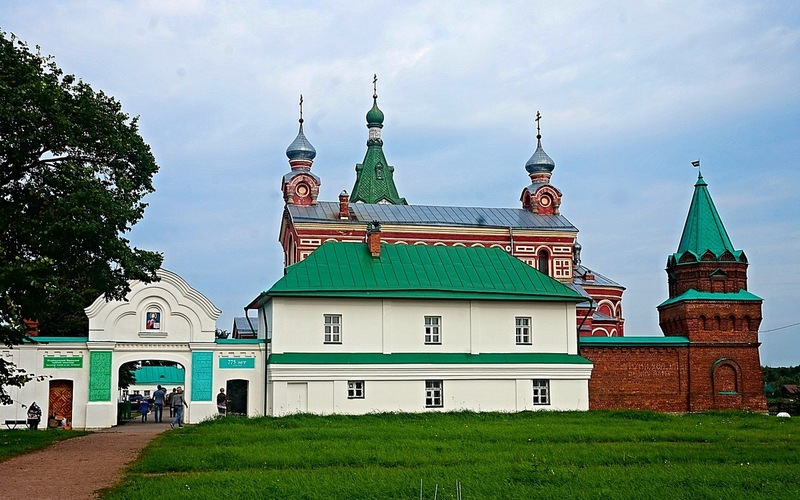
<point>698,377</point>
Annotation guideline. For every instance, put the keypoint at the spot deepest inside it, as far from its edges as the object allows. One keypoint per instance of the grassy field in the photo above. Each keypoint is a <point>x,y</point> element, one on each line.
<point>18,441</point>
<point>513,456</point>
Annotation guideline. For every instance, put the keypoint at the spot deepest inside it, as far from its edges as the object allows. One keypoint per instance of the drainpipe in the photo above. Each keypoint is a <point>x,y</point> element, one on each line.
<point>511,238</point>
<point>591,309</point>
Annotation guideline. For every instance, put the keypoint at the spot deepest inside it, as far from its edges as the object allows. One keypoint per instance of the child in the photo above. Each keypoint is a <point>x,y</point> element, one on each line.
<point>144,409</point>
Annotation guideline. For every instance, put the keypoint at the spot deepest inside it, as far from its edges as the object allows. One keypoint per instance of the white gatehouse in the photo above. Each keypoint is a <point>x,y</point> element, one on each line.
<point>165,321</point>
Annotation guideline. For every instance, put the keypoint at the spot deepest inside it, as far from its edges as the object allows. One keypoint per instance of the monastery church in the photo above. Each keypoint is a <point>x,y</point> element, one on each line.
<point>389,306</point>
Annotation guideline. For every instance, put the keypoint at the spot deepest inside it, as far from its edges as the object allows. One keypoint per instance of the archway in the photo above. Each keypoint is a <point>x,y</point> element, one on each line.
<point>237,390</point>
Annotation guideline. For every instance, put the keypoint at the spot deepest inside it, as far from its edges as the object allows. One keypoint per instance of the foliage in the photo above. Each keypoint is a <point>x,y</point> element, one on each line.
<point>16,442</point>
<point>776,377</point>
<point>127,375</point>
<point>73,172</point>
<point>526,455</point>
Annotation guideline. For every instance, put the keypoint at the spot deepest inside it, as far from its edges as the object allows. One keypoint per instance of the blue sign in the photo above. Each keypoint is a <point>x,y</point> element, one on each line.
<point>237,363</point>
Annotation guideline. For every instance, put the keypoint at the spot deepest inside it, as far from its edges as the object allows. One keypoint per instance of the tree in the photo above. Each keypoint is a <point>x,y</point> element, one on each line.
<point>73,172</point>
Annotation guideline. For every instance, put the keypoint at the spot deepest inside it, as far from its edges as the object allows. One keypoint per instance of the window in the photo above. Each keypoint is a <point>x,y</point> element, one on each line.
<point>541,392</point>
<point>434,394</point>
<point>523,331</point>
<point>433,329</point>
<point>147,394</point>
<point>355,389</point>
<point>543,265</point>
<point>333,328</point>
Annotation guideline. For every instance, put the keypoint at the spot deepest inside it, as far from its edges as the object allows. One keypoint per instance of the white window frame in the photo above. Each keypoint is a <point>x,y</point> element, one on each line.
<point>541,392</point>
<point>355,389</point>
<point>333,329</point>
<point>433,330</point>
<point>434,394</point>
<point>522,330</point>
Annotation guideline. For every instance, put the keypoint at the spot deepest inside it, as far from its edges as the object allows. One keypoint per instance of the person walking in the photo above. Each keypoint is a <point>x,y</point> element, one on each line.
<point>178,403</point>
<point>144,409</point>
<point>222,402</point>
<point>169,402</point>
<point>158,404</point>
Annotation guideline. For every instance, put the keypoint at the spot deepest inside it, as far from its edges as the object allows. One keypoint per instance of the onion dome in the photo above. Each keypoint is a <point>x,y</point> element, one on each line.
<point>300,148</point>
<point>539,162</point>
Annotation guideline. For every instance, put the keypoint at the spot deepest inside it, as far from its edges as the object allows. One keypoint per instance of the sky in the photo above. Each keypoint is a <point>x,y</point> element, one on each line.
<point>630,94</point>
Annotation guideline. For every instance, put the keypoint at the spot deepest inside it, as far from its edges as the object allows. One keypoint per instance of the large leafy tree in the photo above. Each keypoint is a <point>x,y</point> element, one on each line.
<point>73,172</point>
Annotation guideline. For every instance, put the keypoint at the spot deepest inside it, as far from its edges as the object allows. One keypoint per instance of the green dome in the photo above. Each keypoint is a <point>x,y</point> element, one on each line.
<point>375,115</point>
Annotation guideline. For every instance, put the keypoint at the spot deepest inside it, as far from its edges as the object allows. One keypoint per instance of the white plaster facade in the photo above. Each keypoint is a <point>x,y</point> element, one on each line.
<point>389,326</point>
<point>119,333</point>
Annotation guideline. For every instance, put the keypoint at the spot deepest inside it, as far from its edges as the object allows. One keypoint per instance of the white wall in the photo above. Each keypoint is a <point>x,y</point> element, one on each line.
<point>391,325</point>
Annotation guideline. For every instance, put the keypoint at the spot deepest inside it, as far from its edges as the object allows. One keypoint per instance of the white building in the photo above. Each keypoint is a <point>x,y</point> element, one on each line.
<point>359,328</point>
<point>166,320</point>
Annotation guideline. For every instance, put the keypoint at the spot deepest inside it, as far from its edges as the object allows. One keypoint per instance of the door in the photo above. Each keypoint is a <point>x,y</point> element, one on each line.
<point>60,400</point>
<point>237,396</point>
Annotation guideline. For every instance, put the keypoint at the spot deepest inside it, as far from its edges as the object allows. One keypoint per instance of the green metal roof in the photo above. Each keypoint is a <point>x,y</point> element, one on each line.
<point>703,230</point>
<point>46,340</point>
<point>337,269</point>
<point>164,375</point>
<point>632,341</point>
<point>693,294</point>
<point>325,358</point>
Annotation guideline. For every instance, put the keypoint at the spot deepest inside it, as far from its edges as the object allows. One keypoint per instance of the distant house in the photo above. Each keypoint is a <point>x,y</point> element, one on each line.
<point>244,329</point>
<point>357,328</point>
<point>790,391</point>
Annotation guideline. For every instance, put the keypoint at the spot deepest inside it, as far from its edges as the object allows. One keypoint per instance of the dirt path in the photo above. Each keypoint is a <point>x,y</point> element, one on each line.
<point>76,468</point>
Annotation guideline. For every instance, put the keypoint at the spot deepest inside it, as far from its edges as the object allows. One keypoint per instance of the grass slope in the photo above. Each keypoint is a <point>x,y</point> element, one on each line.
<point>512,456</point>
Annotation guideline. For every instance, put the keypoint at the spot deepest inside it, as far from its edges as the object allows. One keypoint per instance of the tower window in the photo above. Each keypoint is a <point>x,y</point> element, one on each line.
<point>543,262</point>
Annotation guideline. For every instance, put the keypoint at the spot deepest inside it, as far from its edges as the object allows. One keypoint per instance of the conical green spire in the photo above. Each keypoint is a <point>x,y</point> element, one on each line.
<point>704,230</point>
<point>374,176</point>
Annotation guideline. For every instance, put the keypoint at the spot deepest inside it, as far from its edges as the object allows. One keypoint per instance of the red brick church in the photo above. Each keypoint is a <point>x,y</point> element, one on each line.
<point>708,357</point>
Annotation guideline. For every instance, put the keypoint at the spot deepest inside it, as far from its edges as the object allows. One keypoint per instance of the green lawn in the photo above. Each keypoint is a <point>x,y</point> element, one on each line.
<point>515,456</point>
<point>18,441</point>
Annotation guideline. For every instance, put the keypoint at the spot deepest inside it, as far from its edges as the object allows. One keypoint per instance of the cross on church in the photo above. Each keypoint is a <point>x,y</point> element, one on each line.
<point>301,108</point>
<point>374,85</point>
<point>538,130</point>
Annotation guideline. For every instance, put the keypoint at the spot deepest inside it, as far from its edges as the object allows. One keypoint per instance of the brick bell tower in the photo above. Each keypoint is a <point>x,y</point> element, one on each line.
<point>710,305</point>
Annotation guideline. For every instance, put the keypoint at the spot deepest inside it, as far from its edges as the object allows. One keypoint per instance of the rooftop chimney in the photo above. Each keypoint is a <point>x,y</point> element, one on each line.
<point>344,206</point>
<point>374,238</point>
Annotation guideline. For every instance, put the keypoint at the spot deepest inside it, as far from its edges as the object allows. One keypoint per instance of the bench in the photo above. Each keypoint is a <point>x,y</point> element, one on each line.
<point>12,424</point>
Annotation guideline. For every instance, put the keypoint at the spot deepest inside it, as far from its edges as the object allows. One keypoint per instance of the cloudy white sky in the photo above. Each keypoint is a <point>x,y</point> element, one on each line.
<point>630,94</point>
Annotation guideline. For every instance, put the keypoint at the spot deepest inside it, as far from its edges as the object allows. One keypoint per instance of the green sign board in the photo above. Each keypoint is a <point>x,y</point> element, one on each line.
<point>237,362</point>
<point>63,361</point>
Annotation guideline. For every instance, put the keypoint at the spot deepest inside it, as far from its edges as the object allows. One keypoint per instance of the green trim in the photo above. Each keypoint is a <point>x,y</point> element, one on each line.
<point>428,294</point>
<point>632,341</point>
<point>100,376</point>
<point>202,373</point>
<point>413,358</point>
<point>240,341</point>
<point>43,340</point>
<point>692,294</point>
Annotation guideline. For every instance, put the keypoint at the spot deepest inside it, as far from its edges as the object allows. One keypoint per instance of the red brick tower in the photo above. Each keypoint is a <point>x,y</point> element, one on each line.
<point>709,304</point>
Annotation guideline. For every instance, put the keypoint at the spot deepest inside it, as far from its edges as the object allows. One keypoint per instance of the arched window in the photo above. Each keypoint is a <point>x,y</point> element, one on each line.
<point>731,322</point>
<point>703,322</point>
<point>543,262</point>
